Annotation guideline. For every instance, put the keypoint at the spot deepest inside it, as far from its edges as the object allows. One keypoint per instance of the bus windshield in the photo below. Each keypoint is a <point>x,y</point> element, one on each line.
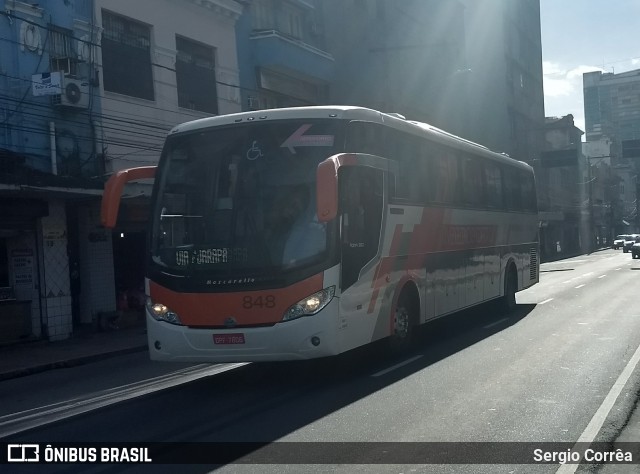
<point>242,198</point>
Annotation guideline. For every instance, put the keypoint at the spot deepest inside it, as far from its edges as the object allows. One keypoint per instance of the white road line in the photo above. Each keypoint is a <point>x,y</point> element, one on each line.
<point>591,431</point>
<point>602,276</point>
<point>394,367</point>
<point>587,274</point>
<point>17,422</point>
<point>580,286</point>
<point>495,323</point>
<point>568,281</point>
<point>618,269</point>
<point>546,301</point>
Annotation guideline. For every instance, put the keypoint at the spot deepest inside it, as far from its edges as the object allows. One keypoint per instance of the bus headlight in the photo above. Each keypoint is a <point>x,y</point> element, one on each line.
<point>161,313</point>
<point>310,305</point>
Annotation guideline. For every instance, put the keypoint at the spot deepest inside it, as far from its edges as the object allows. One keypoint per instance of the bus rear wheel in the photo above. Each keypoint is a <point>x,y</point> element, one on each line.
<point>510,288</point>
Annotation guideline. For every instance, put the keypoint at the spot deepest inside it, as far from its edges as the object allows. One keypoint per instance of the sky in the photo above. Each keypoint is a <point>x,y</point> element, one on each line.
<point>580,36</point>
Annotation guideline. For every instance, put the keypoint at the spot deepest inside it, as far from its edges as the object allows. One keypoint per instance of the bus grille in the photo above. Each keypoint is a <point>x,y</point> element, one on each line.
<point>533,264</point>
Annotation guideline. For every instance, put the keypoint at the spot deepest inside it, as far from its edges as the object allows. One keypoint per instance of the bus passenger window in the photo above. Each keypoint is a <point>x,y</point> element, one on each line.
<point>472,187</point>
<point>493,186</point>
<point>512,189</point>
<point>365,137</point>
<point>448,179</point>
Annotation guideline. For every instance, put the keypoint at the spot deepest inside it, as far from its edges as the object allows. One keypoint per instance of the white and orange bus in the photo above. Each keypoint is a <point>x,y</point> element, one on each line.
<point>306,232</point>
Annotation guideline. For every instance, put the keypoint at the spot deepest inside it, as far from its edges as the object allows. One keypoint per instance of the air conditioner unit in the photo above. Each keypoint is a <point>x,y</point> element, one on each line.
<point>75,93</point>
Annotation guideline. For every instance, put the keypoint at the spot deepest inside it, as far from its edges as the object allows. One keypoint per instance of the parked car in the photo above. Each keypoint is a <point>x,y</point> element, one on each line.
<point>629,241</point>
<point>618,242</point>
<point>635,249</point>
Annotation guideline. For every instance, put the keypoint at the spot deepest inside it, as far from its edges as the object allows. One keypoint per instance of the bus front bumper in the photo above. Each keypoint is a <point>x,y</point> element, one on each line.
<point>307,337</point>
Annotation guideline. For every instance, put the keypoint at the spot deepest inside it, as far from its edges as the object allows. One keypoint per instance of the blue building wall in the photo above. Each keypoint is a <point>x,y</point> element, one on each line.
<point>271,48</point>
<point>26,43</point>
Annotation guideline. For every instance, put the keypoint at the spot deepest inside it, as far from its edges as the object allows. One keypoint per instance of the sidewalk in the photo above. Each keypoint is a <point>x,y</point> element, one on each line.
<point>27,358</point>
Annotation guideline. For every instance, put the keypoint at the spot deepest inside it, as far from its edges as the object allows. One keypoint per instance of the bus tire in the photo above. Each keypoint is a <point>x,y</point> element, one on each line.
<point>510,288</point>
<point>405,320</point>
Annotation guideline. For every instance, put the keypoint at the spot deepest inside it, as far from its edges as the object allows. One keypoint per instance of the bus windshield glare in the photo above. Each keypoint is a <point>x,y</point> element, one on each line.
<point>241,198</point>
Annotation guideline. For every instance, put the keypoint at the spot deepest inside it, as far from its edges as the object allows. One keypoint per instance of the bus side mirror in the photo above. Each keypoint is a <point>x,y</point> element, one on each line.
<point>113,192</point>
<point>327,191</point>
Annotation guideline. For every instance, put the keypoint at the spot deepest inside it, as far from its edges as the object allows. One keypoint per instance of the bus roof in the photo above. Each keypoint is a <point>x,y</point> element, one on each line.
<point>328,111</point>
<point>346,112</point>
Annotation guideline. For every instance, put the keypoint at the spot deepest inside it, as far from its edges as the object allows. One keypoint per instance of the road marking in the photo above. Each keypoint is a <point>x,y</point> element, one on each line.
<point>35,417</point>
<point>618,269</point>
<point>495,323</point>
<point>397,366</point>
<point>587,274</point>
<point>546,301</point>
<point>593,428</point>
<point>602,276</point>
<point>580,286</point>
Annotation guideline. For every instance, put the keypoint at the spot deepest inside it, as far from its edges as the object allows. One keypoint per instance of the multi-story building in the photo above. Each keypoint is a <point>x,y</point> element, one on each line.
<point>282,55</point>
<point>505,102</point>
<point>562,196</point>
<point>50,162</point>
<point>471,67</point>
<point>405,57</point>
<point>612,111</point>
<point>86,89</point>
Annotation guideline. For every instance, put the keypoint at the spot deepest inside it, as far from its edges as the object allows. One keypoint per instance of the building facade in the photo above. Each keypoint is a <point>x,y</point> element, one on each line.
<point>471,67</point>
<point>50,164</point>
<point>89,88</point>
<point>402,57</point>
<point>561,186</point>
<point>612,112</point>
<point>282,55</point>
<point>505,96</point>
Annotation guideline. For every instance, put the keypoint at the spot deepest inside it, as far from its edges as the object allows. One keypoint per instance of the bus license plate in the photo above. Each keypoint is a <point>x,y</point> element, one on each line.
<point>237,338</point>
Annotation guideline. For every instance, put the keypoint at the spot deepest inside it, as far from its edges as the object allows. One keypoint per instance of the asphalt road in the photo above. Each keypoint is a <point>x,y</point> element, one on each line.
<point>549,373</point>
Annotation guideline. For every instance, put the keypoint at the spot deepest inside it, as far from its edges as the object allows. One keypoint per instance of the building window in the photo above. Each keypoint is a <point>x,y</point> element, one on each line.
<point>196,76</point>
<point>126,56</point>
<point>60,51</point>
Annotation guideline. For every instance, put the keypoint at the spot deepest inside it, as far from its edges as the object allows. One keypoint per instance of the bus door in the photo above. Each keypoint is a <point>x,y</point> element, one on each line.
<point>361,204</point>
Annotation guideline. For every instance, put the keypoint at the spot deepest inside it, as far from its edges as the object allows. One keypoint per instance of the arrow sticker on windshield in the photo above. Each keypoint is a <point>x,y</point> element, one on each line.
<point>298,138</point>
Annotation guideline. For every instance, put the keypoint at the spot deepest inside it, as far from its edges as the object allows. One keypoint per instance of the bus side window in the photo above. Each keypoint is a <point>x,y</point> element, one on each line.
<point>493,185</point>
<point>529,200</point>
<point>448,184</point>
<point>405,149</point>
<point>472,182</point>
<point>512,189</point>
<point>365,137</point>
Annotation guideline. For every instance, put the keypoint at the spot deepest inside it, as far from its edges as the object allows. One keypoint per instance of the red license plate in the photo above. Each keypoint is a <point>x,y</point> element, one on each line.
<point>236,338</point>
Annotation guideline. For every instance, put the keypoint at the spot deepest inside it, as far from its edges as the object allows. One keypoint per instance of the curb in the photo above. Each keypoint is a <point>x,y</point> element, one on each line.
<point>65,364</point>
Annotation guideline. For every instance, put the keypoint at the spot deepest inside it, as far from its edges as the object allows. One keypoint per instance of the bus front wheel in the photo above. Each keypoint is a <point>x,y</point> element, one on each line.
<point>404,322</point>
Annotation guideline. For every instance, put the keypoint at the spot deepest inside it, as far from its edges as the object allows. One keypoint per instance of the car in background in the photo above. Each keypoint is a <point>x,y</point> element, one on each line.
<point>629,241</point>
<point>635,249</point>
<point>618,242</point>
